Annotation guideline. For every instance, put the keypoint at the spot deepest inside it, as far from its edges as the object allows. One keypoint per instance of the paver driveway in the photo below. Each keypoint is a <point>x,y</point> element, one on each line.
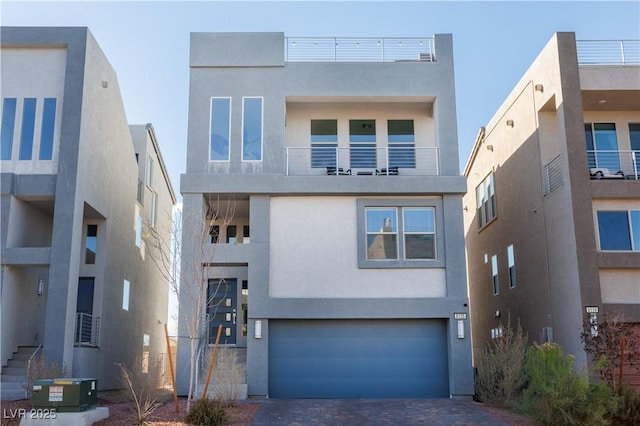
<point>370,412</point>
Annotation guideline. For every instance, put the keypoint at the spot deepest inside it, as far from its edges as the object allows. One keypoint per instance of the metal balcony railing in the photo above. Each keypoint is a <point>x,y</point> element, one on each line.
<point>614,164</point>
<point>331,49</point>
<point>401,160</point>
<point>87,330</point>
<point>608,52</point>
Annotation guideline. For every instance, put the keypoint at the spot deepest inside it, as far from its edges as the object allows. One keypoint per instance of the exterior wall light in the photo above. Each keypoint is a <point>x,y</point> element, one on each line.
<point>539,88</point>
<point>40,286</point>
<point>510,123</point>
<point>490,147</point>
<point>593,319</point>
<point>257,332</point>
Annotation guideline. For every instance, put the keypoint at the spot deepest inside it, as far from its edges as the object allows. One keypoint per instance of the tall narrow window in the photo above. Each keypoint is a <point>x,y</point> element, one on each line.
<point>494,273</point>
<point>486,201</point>
<point>602,146</point>
<point>8,124</point>
<point>362,140</point>
<point>634,136</point>
<point>138,230</point>
<point>512,266</point>
<point>220,129</point>
<point>324,143</point>
<point>28,126</point>
<point>252,129</point>
<point>382,233</point>
<point>154,208</point>
<point>91,244</point>
<point>402,150</point>
<point>149,172</point>
<point>86,333</point>
<point>214,234</point>
<point>419,225</point>
<point>126,288</point>
<point>47,131</point>
<point>231,234</point>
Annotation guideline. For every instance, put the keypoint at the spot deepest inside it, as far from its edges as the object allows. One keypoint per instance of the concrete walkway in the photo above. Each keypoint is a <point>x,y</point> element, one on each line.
<point>372,412</point>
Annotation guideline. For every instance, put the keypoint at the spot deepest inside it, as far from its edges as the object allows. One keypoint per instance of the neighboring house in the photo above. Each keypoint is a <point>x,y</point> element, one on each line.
<point>341,272</point>
<point>77,285</point>
<point>552,210</point>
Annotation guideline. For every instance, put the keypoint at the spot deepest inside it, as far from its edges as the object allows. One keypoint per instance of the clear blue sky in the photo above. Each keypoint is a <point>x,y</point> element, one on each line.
<point>494,43</point>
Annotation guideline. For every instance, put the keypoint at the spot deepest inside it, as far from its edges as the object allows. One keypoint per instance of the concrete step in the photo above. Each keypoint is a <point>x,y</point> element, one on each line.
<point>14,371</point>
<point>17,363</point>
<point>12,378</point>
<point>14,385</point>
<point>21,356</point>
<point>12,394</point>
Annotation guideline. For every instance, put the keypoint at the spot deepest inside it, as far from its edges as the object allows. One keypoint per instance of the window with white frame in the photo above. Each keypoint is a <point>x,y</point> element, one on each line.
<point>362,143</point>
<point>399,234</point>
<point>602,146</point>
<point>154,208</point>
<point>220,129</point>
<point>401,138</point>
<point>149,172</point>
<point>619,230</point>
<point>252,129</point>
<point>126,288</point>
<point>486,201</point>
<point>512,266</point>
<point>494,273</point>
<point>324,143</point>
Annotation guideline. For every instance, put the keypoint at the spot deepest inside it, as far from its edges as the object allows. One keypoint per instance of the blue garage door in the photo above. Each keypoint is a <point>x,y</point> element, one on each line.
<point>358,359</point>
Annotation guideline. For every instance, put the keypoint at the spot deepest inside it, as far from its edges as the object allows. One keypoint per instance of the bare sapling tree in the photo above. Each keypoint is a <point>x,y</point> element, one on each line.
<point>188,274</point>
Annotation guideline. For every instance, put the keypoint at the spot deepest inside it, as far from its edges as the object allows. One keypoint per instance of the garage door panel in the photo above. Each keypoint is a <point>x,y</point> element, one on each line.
<point>358,358</point>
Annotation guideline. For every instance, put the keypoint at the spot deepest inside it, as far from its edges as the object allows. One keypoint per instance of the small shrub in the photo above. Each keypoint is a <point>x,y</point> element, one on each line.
<point>145,405</point>
<point>501,368</point>
<point>207,413</point>
<point>556,395</point>
<point>628,408</point>
<point>40,368</point>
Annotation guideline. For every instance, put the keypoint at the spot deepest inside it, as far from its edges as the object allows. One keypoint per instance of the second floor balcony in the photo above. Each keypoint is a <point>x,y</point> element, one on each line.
<point>362,160</point>
<point>614,164</point>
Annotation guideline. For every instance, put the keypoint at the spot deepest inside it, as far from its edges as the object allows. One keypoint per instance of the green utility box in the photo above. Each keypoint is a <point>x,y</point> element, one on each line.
<point>65,395</point>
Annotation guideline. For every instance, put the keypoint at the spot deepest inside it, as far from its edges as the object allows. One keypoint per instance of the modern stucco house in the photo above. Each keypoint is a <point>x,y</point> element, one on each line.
<point>552,210</point>
<point>78,187</point>
<point>327,173</point>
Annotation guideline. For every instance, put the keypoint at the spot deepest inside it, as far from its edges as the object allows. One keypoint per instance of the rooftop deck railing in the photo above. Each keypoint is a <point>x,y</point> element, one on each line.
<point>331,49</point>
<point>608,52</point>
<point>404,161</point>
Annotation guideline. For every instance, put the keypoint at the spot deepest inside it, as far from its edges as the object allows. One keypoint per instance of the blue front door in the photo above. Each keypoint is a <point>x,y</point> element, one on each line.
<point>222,309</point>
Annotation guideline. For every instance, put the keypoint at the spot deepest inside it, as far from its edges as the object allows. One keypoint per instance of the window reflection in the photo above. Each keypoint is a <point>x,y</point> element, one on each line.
<point>252,129</point>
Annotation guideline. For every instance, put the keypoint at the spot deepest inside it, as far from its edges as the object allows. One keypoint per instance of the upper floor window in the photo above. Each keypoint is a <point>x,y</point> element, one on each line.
<point>512,266</point>
<point>634,139</point>
<point>154,208</point>
<point>602,146</point>
<point>494,273</point>
<point>28,129</point>
<point>362,140</point>
<point>149,172</point>
<point>126,285</point>
<point>486,201</point>
<point>399,234</point>
<point>47,130</point>
<point>402,152</point>
<point>8,125</point>
<point>252,129</point>
<point>220,128</point>
<point>619,230</point>
<point>91,244</point>
<point>324,143</point>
